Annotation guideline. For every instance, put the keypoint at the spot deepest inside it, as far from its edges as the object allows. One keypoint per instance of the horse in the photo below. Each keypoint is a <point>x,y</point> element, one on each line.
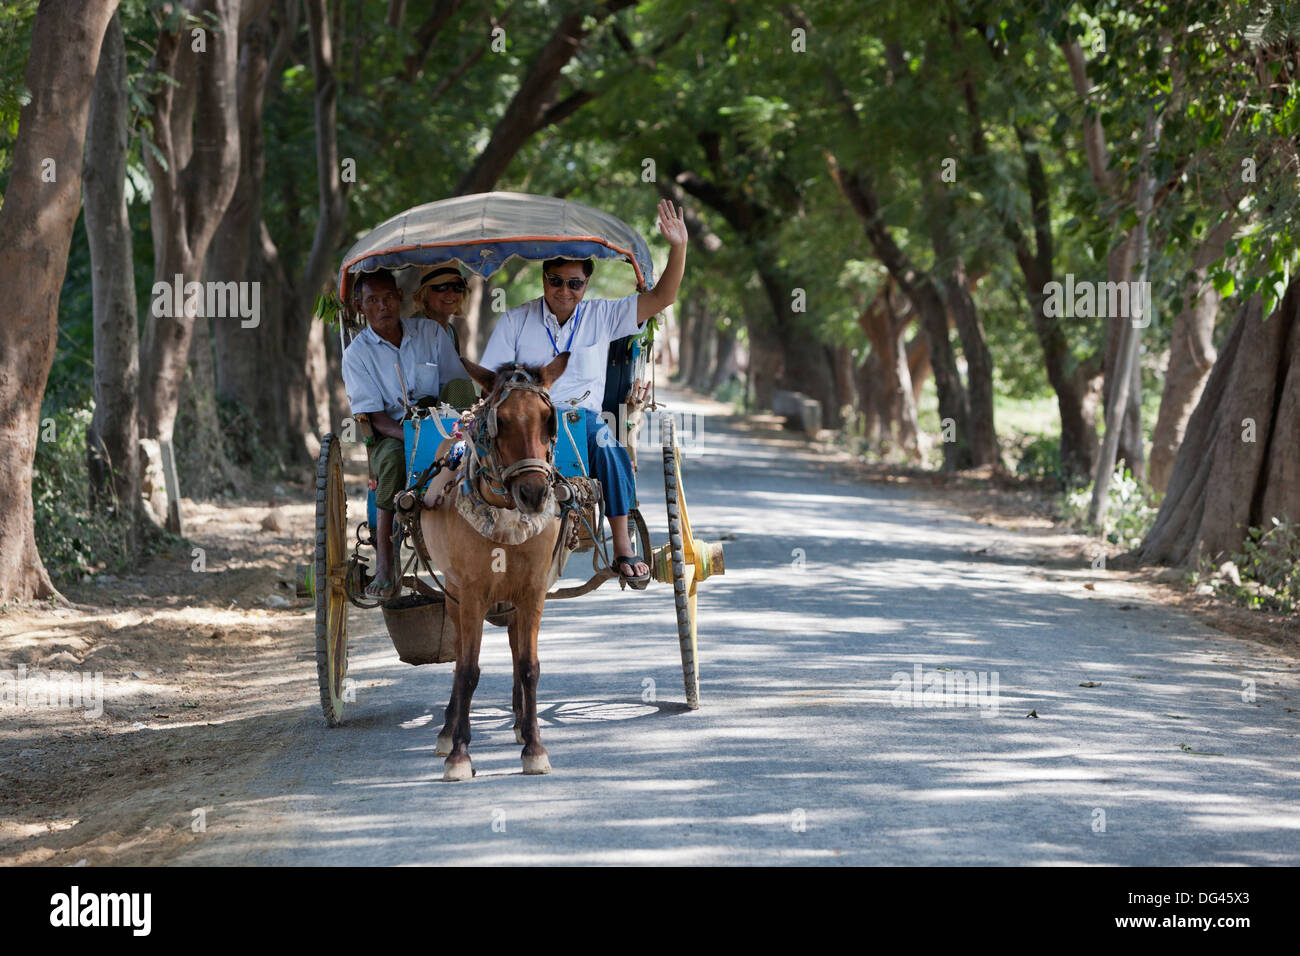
<point>492,529</point>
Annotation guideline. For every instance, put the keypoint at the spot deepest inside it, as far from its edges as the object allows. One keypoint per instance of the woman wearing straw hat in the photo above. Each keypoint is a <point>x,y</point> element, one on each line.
<point>439,296</point>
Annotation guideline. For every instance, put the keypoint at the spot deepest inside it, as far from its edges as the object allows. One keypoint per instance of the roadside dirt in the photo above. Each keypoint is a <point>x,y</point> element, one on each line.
<point>205,656</point>
<point>205,671</point>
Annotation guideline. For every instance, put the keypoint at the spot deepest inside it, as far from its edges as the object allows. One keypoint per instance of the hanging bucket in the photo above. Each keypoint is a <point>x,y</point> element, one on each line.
<point>421,630</point>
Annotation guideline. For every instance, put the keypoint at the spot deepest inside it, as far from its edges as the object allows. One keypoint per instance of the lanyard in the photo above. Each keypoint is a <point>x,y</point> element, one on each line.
<point>572,332</point>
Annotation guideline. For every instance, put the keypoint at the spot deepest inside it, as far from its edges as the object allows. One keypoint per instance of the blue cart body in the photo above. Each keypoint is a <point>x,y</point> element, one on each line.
<point>570,449</point>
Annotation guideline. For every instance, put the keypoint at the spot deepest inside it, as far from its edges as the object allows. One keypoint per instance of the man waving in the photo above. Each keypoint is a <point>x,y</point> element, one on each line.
<point>561,321</point>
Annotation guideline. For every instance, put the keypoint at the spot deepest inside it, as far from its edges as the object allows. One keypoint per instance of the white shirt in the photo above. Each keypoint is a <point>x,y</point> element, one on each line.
<point>371,379</point>
<point>449,363</point>
<point>522,336</point>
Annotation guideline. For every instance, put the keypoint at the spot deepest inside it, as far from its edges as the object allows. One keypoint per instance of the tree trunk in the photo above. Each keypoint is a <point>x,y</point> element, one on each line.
<point>1127,371</point>
<point>705,354</point>
<point>249,362</point>
<point>979,368</point>
<point>113,439</point>
<point>1119,268</point>
<point>918,364</point>
<point>685,313</point>
<point>1191,355</point>
<point>191,189</point>
<point>920,288</point>
<point>800,359</point>
<point>36,222</point>
<point>1239,463</point>
<point>951,271</point>
<point>1119,265</point>
<point>727,363</point>
<point>338,394</point>
<point>869,413</point>
<point>892,401</point>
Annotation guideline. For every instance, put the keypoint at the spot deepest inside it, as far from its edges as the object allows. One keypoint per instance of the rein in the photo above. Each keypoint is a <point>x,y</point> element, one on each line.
<point>483,461</point>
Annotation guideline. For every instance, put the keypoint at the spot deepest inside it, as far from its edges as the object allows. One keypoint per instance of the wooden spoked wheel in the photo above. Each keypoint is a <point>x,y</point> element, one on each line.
<point>683,565</point>
<point>330,579</point>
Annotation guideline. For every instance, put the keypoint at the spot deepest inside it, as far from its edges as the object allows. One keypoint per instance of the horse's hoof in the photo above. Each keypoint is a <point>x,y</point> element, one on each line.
<point>444,747</point>
<point>519,737</point>
<point>538,763</point>
<point>454,770</point>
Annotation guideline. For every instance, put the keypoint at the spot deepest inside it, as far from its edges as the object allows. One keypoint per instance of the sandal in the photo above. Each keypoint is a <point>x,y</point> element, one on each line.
<point>629,561</point>
<point>382,590</point>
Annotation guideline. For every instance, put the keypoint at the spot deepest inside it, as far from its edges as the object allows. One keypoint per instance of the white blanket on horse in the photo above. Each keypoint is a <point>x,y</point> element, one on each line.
<point>506,525</point>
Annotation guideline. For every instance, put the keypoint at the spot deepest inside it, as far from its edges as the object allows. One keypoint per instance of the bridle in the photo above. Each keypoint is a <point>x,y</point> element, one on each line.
<point>484,461</point>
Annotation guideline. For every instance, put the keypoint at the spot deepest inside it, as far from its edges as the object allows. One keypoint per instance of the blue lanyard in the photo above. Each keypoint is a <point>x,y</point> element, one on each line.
<point>572,332</point>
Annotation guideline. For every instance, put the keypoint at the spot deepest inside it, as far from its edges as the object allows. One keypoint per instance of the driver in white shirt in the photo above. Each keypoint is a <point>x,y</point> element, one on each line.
<point>560,321</point>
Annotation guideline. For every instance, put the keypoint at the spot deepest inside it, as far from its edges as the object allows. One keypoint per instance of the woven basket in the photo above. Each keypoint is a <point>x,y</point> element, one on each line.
<point>421,630</point>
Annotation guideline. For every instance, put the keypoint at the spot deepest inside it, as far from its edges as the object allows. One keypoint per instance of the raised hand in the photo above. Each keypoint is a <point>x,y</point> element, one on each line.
<point>671,225</point>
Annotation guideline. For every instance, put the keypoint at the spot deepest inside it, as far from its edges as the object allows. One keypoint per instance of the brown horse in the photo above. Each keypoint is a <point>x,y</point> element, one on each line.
<point>474,537</point>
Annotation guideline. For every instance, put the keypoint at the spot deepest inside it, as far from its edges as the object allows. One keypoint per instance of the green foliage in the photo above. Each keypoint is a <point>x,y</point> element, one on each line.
<point>327,308</point>
<point>1269,565</point>
<point>72,538</point>
<point>15,40</point>
<point>1038,459</point>
<point>1131,510</point>
<point>245,444</point>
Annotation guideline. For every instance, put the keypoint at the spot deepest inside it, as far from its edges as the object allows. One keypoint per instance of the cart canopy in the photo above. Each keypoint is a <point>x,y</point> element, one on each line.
<point>484,230</point>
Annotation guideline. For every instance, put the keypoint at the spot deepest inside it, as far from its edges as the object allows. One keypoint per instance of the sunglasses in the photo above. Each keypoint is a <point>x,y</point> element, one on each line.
<point>574,285</point>
<point>452,286</point>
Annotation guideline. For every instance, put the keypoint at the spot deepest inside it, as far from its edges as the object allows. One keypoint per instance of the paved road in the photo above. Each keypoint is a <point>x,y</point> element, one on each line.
<point>801,753</point>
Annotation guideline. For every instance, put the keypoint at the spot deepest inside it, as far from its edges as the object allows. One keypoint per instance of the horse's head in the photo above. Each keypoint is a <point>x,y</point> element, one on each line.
<point>520,425</point>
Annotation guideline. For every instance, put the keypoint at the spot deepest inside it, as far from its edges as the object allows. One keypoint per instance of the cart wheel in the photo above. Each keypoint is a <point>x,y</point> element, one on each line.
<point>331,571</point>
<point>683,570</point>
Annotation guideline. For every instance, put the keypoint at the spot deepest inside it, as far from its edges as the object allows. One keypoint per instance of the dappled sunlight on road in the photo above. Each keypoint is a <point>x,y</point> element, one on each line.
<point>811,744</point>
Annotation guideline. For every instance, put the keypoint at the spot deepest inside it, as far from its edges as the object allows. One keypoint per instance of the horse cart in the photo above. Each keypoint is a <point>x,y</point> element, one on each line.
<point>483,232</point>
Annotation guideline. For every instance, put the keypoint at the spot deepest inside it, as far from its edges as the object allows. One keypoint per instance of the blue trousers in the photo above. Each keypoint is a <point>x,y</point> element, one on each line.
<point>610,465</point>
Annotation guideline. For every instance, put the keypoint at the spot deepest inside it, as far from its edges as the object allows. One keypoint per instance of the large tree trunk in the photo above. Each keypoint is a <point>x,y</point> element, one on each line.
<point>196,131</point>
<point>926,298</point>
<point>1191,355</point>
<point>886,389</point>
<point>685,313</point>
<point>950,273</point>
<point>306,398</point>
<point>841,362</point>
<point>1073,383</point>
<point>113,439</point>
<point>802,365</point>
<point>728,359</point>
<point>278,369</point>
<point>704,350</point>
<point>36,221</point>
<point>918,364</point>
<point>979,368</point>
<point>1239,463</point>
<point>250,364</point>
<point>1119,268</point>
<point>1119,265</point>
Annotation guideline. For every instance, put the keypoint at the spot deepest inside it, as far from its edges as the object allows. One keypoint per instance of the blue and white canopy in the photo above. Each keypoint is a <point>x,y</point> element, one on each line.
<point>484,230</point>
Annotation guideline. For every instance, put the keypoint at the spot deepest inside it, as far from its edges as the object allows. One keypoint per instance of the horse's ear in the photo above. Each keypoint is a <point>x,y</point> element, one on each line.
<point>555,369</point>
<point>479,374</point>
